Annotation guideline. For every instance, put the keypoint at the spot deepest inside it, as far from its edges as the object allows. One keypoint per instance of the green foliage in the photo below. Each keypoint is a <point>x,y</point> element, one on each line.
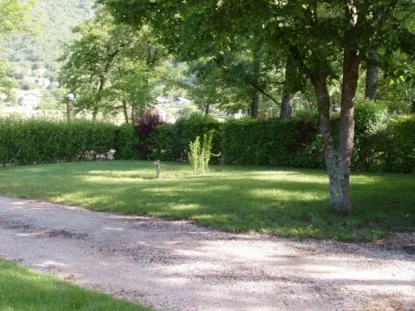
<point>55,19</point>
<point>126,143</point>
<point>171,141</point>
<point>371,121</point>
<point>194,155</point>
<point>380,144</point>
<point>111,63</point>
<point>27,85</point>
<point>15,16</point>
<point>400,146</point>
<point>200,153</point>
<point>282,202</point>
<point>271,142</point>
<point>36,141</point>
<point>22,289</point>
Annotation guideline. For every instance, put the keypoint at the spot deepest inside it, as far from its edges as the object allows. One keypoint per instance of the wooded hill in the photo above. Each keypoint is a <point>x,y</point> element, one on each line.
<point>37,55</point>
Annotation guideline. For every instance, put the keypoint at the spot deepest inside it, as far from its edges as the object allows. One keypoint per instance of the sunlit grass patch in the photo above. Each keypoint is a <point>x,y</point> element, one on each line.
<point>24,290</point>
<point>285,202</point>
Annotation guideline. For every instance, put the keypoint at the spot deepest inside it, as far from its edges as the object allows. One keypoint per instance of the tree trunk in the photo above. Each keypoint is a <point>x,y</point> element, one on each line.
<point>254,106</point>
<point>125,110</point>
<point>287,107</point>
<point>132,115</point>
<point>347,126</point>
<point>95,114</point>
<point>207,109</point>
<point>338,162</point>
<point>331,155</point>
<point>413,107</point>
<point>290,88</point>
<point>372,74</point>
<point>255,78</point>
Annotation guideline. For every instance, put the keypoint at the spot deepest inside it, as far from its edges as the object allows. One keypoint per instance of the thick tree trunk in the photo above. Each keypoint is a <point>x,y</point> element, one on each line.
<point>338,162</point>
<point>254,106</point>
<point>372,74</point>
<point>287,107</point>
<point>413,107</point>
<point>207,109</point>
<point>125,110</point>
<point>347,127</point>
<point>331,155</point>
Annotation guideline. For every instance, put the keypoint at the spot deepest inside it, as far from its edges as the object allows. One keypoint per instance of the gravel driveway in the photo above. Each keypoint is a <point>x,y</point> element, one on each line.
<point>180,266</point>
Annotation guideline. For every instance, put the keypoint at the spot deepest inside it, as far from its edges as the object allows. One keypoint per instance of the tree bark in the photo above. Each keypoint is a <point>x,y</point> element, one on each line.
<point>255,78</point>
<point>287,107</point>
<point>207,109</point>
<point>290,88</point>
<point>125,110</point>
<point>372,74</point>
<point>351,64</point>
<point>331,155</point>
<point>95,114</point>
<point>338,162</point>
<point>254,106</point>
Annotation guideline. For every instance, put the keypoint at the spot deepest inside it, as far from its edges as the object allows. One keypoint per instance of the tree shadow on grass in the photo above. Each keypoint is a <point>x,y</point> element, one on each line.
<point>285,202</point>
<point>298,209</point>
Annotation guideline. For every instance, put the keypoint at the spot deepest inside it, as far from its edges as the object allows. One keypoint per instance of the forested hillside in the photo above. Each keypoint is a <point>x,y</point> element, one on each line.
<point>36,56</point>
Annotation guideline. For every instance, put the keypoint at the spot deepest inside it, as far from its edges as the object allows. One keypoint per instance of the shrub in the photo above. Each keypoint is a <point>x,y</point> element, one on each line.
<point>271,142</point>
<point>37,141</point>
<point>126,143</point>
<point>371,120</point>
<point>399,149</point>
<point>200,154</point>
<point>194,154</point>
<point>144,127</point>
<point>171,141</point>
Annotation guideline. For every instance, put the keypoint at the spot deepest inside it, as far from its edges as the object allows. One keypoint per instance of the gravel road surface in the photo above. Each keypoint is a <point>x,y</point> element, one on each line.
<point>179,266</point>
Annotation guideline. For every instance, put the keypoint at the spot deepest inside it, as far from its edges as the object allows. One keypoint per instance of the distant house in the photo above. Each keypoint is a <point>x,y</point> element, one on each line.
<point>181,100</point>
<point>29,101</point>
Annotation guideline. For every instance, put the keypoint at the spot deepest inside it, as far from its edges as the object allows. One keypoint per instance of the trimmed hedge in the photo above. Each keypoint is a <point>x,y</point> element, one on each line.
<point>272,142</point>
<point>381,143</point>
<point>37,141</point>
<point>399,146</point>
<point>170,142</point>
<point>126,143</point>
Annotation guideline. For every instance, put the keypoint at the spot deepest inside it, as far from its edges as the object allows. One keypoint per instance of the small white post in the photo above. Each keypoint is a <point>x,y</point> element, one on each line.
<point>157,164</point>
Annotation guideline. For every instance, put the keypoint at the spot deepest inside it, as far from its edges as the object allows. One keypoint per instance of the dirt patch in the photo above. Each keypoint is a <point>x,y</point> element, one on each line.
<point>62,234</point>
<point>180,266</point>
<point>404,241</point>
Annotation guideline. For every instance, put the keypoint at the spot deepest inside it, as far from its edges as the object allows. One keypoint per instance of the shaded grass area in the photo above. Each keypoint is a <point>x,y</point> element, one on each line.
<point>24,290</point>
<point>288,202</point>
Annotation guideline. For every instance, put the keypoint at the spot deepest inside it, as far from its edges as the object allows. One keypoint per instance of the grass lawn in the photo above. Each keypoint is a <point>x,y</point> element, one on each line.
<point>24,290</point>
<point>286,202</point>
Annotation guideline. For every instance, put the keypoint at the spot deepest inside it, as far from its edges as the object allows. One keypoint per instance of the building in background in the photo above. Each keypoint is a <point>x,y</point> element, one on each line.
<point>29,101</point>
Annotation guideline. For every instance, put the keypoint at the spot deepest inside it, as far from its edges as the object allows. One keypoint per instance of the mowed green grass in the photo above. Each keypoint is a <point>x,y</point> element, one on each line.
<point>24,290</point>
<point>285,202</point>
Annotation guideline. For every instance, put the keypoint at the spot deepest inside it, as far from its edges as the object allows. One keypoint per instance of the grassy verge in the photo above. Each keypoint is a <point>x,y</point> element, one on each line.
<point>24,290</point>
<point>290,203</point>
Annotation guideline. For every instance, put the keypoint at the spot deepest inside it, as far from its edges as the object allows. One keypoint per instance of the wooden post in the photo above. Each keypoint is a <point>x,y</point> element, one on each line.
<point>157,164</point>
<point>68,109</point>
